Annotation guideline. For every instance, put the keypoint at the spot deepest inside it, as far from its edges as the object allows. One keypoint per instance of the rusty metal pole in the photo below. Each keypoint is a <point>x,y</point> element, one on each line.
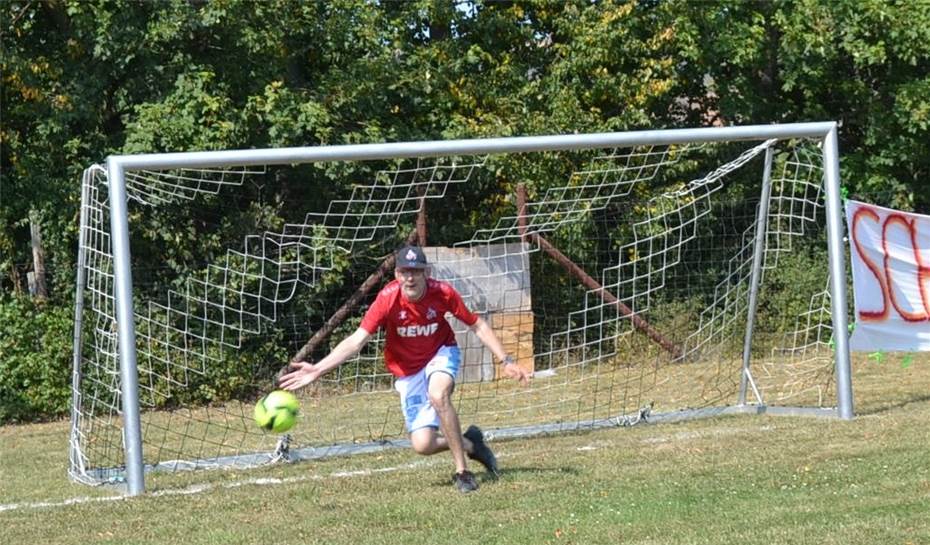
<point>421,217</point>
<point>521,209</point>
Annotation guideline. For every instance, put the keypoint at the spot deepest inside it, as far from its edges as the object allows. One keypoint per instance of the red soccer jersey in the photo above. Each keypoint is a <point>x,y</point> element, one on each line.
<point>415,331</point>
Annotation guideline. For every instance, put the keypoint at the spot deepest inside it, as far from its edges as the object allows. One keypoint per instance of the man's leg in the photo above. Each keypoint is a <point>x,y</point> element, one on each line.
<point>440,397</point>
<point>422,419</point>
<point>426,441</point>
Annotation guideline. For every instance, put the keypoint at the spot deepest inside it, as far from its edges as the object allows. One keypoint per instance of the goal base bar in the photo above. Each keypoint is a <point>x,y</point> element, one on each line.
<point>115,476</point>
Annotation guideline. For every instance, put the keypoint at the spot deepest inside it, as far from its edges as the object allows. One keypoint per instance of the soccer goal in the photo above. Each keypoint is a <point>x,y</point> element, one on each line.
<point>641,276</point>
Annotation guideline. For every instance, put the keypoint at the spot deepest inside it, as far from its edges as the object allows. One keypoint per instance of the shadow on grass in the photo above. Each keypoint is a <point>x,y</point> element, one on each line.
<point>517,471</point>
<point>509,473</point>
<point>893,406</point>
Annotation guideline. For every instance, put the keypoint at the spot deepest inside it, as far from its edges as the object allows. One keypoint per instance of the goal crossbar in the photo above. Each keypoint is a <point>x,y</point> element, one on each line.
<point>483,146</point>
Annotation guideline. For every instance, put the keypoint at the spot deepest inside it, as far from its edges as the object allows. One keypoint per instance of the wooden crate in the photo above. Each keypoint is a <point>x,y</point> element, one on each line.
<point>494,281</point>
<point>515,330</point>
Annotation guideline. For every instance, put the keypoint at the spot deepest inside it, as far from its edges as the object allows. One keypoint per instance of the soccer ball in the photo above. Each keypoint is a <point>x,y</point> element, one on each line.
<point>277,411</point>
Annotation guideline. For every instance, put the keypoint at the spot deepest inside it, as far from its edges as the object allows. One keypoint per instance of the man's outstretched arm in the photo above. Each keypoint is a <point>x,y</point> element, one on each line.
<point>510,369</point>
<point>303,373</point>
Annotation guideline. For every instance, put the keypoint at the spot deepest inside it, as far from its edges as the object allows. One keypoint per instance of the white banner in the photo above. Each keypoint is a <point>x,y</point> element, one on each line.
<point>891,278</point>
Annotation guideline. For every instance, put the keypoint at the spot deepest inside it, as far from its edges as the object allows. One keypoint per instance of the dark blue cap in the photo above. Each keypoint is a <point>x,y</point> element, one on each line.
<point>410,257</point>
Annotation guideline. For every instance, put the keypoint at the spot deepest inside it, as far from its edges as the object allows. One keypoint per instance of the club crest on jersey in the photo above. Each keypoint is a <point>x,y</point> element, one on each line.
<point>418,330</point>
<point>430,313</point>
<point>402,315</point>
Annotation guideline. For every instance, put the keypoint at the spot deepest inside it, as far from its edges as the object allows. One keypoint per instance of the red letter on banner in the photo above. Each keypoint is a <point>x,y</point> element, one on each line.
<point>912,236</point>
<point>923,273</point>
<point>870,315</point>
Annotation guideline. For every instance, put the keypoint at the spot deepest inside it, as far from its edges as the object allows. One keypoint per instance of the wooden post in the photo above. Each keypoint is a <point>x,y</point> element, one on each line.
<point>521,209</point>
<point>38,286</point>
<point>421,217</point>
<point>587,280</point>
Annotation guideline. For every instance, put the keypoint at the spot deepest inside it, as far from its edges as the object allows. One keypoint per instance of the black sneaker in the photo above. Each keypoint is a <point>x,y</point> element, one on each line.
<point>481,452</point>
<point>465,482</point>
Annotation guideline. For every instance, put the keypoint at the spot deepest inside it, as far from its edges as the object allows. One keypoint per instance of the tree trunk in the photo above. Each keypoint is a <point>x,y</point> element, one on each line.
<point>16,279</point>
<point>38,286</point>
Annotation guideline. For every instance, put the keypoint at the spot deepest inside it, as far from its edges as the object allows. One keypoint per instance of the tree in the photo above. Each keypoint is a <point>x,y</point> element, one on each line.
<point>862,63</point>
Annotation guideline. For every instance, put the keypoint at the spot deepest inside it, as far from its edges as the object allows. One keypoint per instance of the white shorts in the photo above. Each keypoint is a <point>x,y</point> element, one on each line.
<point>414,389</point>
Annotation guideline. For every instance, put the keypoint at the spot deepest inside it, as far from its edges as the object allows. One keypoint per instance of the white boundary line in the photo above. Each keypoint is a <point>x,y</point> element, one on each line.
<point>199,488</point>
<point>266,481</point>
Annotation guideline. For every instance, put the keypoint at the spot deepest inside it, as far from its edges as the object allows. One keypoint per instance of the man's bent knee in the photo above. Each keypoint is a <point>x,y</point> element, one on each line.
<point>440,391</point>
<point>424,449</point>
<point>441,402</point>
<point>423,441</point>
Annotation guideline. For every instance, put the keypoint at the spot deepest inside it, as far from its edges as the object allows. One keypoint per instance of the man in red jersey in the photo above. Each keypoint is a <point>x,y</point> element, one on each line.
<point>420,351</point>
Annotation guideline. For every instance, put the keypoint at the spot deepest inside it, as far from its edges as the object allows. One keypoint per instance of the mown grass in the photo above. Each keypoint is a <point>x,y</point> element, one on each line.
<point>746,479</point>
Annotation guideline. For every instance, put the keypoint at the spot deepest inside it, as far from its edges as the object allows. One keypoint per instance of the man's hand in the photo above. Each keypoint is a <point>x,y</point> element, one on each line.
<point>300,374</point>
<point>517,373</point>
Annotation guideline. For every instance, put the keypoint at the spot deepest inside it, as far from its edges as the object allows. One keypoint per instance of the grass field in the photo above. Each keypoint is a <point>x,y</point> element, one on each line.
<point>745,479</point>
<point>340,414</point>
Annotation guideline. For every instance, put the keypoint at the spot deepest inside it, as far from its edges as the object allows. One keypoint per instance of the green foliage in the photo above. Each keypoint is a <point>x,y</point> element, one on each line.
<point>862,63</point>
<point>84,79</point>
<point>783,303</point>
<point>228,374</point>
<point>35,360</point>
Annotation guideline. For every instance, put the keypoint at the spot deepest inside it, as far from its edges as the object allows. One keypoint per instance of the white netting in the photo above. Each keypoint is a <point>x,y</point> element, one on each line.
<point>622,282</point>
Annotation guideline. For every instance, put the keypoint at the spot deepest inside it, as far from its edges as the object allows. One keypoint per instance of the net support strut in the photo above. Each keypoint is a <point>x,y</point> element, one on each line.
<point>74,450</point>
<point>758,257</point>
<point>587,280</point>
<point>421,219</point>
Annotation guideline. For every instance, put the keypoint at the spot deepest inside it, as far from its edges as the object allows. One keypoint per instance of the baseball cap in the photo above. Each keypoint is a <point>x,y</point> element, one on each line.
<point>410,257</point>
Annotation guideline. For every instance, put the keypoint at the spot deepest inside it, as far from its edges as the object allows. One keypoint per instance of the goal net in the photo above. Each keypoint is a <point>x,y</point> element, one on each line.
<point>637,281</point>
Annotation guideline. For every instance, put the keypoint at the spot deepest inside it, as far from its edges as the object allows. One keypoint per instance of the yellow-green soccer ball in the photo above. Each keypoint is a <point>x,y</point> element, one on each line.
<point>277,411</point>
